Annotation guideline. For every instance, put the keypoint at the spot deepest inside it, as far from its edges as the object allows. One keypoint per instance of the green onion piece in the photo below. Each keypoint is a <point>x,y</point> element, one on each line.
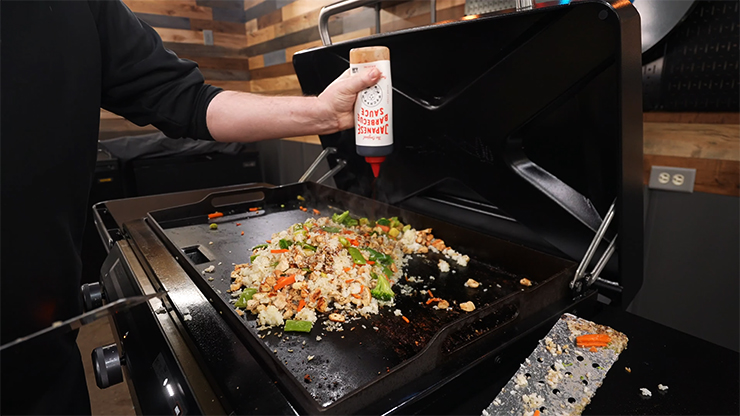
<point>374,276</point>
<point>357,257</point>
<point>274,264</point>
<point>343,241</point>
<point>297,326</point>
<point>378,256</point>
<point>306,269</point>
<point>305,246</point>
<point>244,297</point>
<point>406,227</point>
<point>259,246</point>
<point>213,226</point>
<point>364,221</point>
<point>388,273</point>
<point>384,221</point>
<point>285,244</point>
<point>351,222</point>
<point>251,258</point>
<point>332,230</point>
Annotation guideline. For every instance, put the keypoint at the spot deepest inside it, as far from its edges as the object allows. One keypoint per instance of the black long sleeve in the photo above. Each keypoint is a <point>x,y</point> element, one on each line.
<point>61,61</point>
<point>144,82</point>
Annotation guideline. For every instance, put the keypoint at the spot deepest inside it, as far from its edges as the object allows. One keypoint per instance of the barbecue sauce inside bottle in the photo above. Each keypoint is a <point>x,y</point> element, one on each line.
<point>374,106</point>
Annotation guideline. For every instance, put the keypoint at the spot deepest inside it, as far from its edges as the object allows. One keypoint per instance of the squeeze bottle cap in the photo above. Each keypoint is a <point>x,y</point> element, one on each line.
<point>375,163</point>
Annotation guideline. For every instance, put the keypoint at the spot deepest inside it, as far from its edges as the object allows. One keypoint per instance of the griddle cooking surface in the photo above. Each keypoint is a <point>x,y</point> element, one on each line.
<point>383,350</point>
<point>343,361</point>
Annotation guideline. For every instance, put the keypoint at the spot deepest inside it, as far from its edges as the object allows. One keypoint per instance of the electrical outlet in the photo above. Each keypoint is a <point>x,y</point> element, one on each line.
<point>668,178</point>
<point>208,37</point>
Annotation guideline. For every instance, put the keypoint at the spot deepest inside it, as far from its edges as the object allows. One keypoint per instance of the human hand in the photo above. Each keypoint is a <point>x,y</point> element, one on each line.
<point>338,99</point>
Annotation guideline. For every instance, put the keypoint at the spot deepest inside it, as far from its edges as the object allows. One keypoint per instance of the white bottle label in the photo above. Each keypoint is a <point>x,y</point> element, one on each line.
<point>374,107</point>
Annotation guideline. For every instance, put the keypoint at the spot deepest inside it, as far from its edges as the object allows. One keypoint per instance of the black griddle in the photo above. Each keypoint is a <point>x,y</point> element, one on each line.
<point>372,357</point>
<point>511,147</point>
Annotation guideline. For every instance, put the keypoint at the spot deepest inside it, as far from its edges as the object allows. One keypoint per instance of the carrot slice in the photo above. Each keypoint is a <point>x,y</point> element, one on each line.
<point>370,262</point>
<point>215,215</point>
<point>385,228</point>
<point>301,304</point>
<point>284,250</point>
<point>242,232</point>
<point>536,413</point>
<point>253,209</point>
<point>430,293</point>
<point>356,296</point>
<point>593,349</point>
<point>346,269</point>
<point>269,241</point>
<point>591,337</point>
<point>316,211</point>
<point>405,319</point>
<point>238,224</point>
<point>590,340</point>
<point>284,281</point>
<point>349,280</point>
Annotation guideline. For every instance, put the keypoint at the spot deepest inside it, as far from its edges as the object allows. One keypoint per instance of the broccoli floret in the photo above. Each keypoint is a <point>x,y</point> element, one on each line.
<point>340,218</point>
<point>383,289</point>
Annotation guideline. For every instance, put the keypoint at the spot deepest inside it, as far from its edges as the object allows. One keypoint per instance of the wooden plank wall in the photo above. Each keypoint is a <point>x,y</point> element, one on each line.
<point>254,40</point>
<point>707,142</point>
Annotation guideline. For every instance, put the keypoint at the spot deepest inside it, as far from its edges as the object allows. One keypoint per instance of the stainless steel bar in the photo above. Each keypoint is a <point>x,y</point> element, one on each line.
<point>87,318</point>
<point>341,163</point>
<point>580,272</point>
<point>602,262</point>
<point>336,8</point>
<point>326,152</point>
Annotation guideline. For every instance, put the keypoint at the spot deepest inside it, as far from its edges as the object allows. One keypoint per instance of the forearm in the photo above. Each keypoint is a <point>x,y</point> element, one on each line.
<point>241,117</point>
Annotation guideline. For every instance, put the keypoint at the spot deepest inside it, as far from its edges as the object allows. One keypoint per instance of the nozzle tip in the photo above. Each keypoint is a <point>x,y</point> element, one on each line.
<point>375,163</point>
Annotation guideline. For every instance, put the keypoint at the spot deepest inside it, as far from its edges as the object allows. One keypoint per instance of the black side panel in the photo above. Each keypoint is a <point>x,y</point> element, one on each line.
<point>157,384</point>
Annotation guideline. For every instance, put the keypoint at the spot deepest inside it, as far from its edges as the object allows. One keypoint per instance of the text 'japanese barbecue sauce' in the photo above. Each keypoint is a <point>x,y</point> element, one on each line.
<point>374,106</point>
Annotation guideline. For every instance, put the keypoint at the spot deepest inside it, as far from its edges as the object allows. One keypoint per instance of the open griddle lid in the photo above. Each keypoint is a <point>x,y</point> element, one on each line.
<point>536,112</point>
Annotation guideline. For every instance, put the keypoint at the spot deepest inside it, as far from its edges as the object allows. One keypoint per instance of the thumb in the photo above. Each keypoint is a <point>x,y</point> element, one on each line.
<point>354,84</point>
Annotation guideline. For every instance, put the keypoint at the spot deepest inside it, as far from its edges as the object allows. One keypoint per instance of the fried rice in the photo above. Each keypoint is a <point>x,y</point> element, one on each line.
<point>336,265</point>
